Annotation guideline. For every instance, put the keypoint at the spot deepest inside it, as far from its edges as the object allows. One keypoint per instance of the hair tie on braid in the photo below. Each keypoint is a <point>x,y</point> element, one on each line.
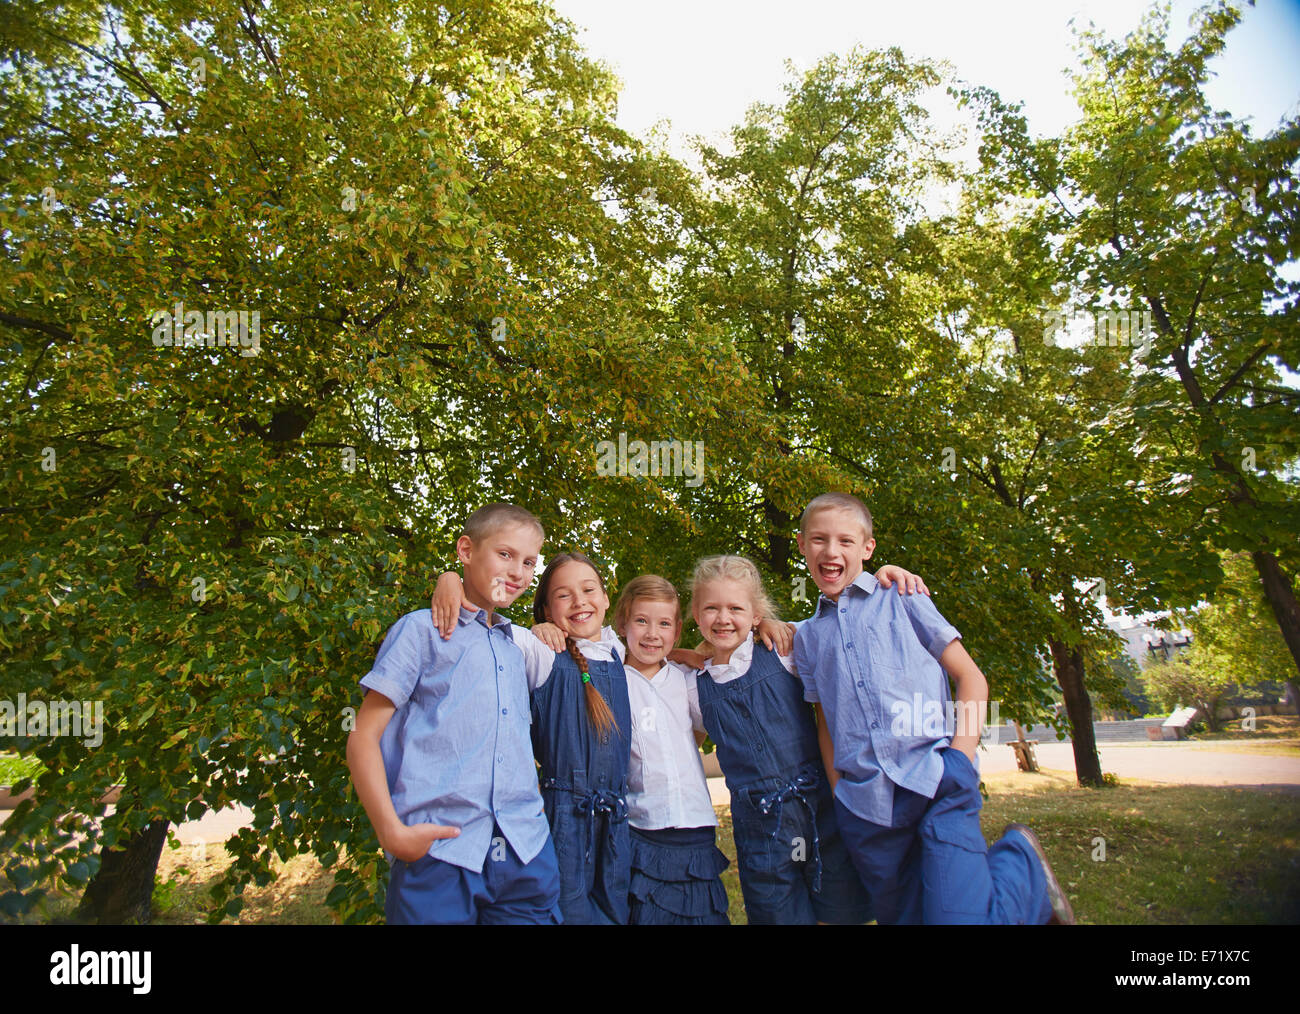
<point>598,710</point>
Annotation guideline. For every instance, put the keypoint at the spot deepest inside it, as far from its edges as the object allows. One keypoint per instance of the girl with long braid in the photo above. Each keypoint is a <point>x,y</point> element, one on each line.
<point>582,724</point>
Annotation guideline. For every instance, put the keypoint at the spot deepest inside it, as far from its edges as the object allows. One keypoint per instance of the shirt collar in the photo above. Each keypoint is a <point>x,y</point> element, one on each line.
<point>658,678</point>
<point>608,642</point>
<point>865,582</point>
<point>499,622</point>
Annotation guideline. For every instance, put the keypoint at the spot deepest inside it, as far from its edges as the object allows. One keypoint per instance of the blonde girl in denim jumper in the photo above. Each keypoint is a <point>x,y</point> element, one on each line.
<point>794,867</point>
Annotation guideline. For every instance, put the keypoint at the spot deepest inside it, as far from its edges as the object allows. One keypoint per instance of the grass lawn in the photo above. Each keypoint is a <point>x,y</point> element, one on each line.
<point>1266,727</point>
<point>1173,854</point>
<point>1272,734</point>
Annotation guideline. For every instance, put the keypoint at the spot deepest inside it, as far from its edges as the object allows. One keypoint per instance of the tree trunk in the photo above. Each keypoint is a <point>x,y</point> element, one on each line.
<point>1211,709</point>
<point>1281,596</point>
<point>122,890</point>
<point>1068,663</point>
<point>780,545</point>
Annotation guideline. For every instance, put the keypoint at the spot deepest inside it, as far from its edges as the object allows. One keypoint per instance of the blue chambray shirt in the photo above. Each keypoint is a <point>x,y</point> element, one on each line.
<point>457,751</point>
<point>871,661</point>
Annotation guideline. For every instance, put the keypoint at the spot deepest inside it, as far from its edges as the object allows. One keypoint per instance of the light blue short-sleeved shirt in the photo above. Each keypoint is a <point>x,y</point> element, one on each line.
<point>871,661</point>
<point>457,751</point>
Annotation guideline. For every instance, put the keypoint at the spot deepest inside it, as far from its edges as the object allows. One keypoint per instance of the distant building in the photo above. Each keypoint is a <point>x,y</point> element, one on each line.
<point>1144,643</point>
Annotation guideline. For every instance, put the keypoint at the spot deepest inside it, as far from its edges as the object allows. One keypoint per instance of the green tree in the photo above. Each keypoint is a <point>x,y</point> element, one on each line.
<point>1049,472</point>
<point>1237,629</point>
<point>815,257</point>
<point>1197,677</point>
<point>1173,210</point>
<point>418,201</point>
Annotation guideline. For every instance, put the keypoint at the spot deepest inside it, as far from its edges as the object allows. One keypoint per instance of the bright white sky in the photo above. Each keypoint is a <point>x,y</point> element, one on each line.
<point>700,63</point>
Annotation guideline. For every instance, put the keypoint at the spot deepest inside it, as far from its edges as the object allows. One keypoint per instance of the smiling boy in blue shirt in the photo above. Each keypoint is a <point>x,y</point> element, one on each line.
<point>441,755</point>
<point>906,793</point>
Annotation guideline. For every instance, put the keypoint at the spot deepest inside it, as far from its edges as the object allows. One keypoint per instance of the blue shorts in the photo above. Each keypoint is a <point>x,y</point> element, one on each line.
<point>434,892</point>
<point>933,865</point>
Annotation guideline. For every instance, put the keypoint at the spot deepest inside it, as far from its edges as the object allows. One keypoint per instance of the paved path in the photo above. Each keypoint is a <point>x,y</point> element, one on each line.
<point>1183,763</point>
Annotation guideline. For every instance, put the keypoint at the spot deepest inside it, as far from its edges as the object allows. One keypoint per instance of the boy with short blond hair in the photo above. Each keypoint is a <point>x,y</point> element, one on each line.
<point>906,793</point>
<point>441,755</point>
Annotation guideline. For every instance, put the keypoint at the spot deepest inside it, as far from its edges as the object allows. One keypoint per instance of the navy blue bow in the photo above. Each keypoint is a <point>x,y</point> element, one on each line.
<point>797,789</point>
<point>612,804</point>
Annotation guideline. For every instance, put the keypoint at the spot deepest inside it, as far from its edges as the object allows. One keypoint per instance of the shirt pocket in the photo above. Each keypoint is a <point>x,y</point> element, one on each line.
<point>890,647</point>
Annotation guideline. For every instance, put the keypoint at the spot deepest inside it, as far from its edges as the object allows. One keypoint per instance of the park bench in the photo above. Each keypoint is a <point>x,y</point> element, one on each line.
<point>1173,727</point>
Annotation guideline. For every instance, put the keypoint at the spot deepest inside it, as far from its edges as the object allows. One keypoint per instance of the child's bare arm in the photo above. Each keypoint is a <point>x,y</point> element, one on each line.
<point>366,763</point>
<point>827,748</point>
<point>448,594</point>
<point>972,696</point>
<point>684,656</point>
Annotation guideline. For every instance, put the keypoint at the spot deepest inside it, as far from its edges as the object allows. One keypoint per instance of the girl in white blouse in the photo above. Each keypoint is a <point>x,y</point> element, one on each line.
<point>675,859</point>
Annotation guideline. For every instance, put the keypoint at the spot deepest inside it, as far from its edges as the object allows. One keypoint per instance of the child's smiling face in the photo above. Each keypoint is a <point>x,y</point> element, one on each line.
<point>499,566</point>
<point>725,613</point>
<point>575,601</point>
<point>651,632</point>
<point>834,544</point>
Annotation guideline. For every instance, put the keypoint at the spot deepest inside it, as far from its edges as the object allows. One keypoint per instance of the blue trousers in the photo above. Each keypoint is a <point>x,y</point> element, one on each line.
<point>507,892</point>
<point>933,865</point>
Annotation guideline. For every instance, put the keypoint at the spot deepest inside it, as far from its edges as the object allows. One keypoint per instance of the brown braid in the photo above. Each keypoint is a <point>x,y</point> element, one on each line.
<point>599,712</point>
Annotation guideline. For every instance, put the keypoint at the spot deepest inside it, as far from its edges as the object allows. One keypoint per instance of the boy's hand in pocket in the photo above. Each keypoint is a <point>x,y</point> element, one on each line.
<point>411,844</point>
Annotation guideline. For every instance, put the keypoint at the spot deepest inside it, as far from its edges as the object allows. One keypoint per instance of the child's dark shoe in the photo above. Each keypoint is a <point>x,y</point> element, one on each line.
<point>1062,913</point>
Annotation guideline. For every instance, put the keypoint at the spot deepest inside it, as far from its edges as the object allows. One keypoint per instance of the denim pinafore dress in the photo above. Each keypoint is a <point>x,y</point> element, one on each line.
<point>584,789</point>
<point>793,865</point>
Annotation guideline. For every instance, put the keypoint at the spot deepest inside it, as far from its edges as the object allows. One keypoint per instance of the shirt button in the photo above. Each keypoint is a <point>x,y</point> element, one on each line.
<point>500,668</point>
<point>849,645</point>
<point>505,711</point>
<point>875,725</point>
<point>861,684</point>
<point>501,758</point>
